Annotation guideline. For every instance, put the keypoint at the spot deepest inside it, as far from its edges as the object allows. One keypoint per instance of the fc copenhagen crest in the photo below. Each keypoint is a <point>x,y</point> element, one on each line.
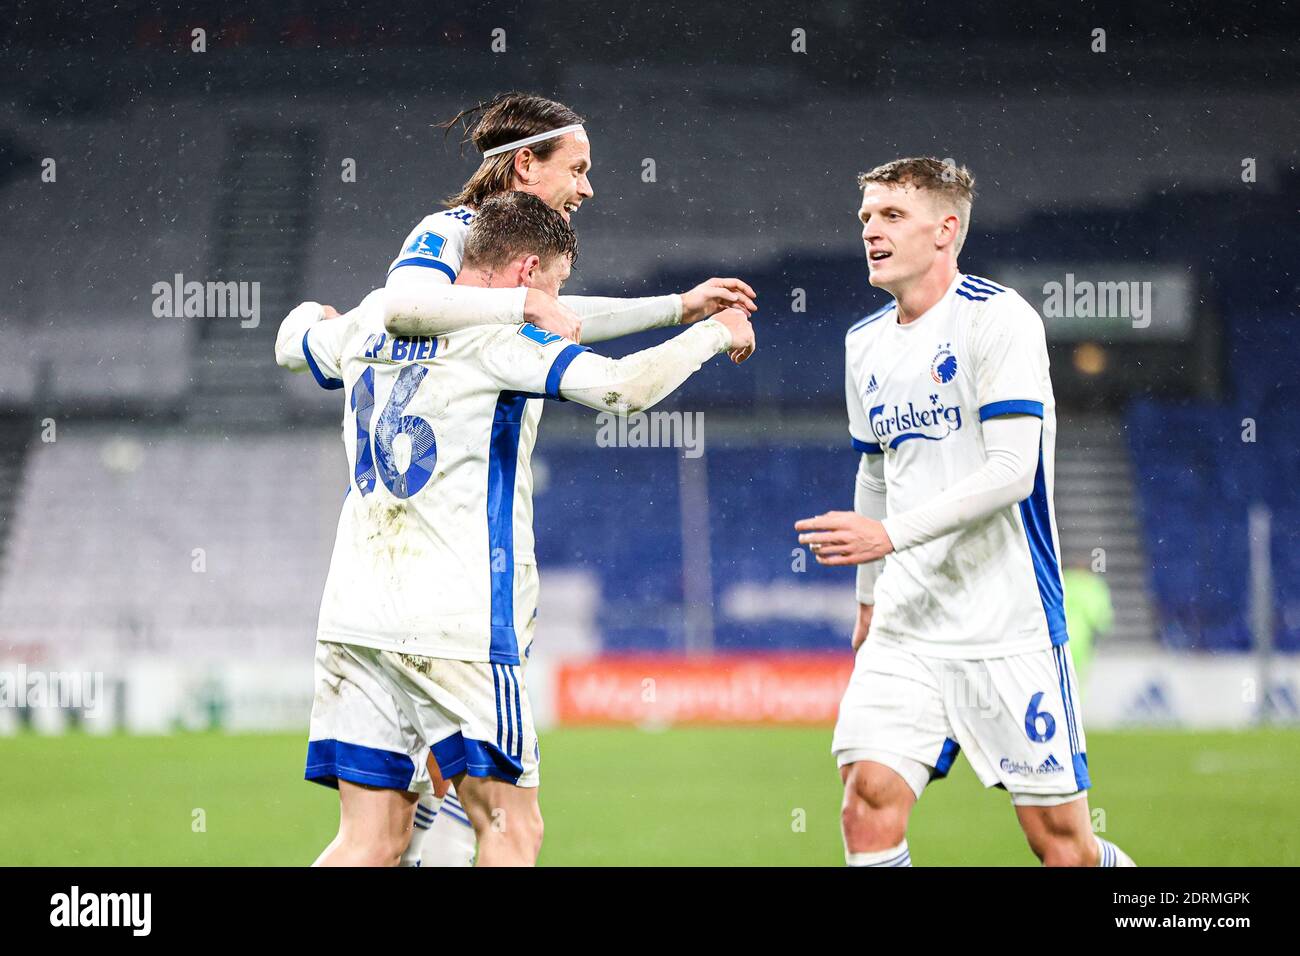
<point>943,368</point>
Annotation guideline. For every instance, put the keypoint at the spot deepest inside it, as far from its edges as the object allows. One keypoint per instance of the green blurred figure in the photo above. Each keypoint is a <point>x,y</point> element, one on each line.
<point>1088,613</point>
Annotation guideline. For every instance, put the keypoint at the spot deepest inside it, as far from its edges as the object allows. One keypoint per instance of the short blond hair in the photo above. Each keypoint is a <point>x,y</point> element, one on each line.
<point>953,184</point>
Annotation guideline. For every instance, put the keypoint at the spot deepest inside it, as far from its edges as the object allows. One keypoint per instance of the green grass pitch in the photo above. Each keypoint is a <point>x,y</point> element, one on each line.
<point>684,796</point>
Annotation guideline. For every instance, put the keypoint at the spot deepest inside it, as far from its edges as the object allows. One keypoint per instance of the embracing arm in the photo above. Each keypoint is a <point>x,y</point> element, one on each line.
<point>423,302</point>
<point>289,352</point>
<point>606,318</point>
<point>431,305</point>
<point>640,380</point>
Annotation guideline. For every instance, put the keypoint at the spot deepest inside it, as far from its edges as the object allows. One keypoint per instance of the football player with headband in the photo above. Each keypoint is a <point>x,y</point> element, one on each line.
<point>530,144</point>
<point>535,145</point>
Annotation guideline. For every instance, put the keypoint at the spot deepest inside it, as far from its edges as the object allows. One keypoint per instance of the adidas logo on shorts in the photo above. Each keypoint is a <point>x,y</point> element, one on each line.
<point>1050,765</point>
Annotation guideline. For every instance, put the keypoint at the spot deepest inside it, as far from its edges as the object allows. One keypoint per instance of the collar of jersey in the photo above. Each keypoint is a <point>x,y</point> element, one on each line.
<point>943,301</point>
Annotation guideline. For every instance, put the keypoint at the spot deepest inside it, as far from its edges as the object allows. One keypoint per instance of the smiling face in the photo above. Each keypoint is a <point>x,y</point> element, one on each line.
<point>904,230</point>
<point>560,180</point>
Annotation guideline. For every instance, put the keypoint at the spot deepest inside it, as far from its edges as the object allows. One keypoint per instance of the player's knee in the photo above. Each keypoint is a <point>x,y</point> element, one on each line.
<point>378,850</point>
<point>868,829</point>
<point>874,813</point>
<point>520,827</point>
<point>1067,850</point>
<point>539,831</point>
<point>520,841</point>
<point>878,788</point>
<point>389,848</point>
<point>533,830</point>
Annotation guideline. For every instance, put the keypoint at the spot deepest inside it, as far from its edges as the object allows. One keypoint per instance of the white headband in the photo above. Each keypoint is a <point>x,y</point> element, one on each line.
<point>529,140</point>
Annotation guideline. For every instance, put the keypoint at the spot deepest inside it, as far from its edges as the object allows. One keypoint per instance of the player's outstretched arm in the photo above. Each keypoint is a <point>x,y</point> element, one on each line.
<point>640,380</point>
<point>422,302</point>
<point>605,318</point>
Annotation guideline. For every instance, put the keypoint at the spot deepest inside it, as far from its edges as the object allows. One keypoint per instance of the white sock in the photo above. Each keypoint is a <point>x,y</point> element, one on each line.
<point>451,841</point>
<point>426,811</point>
<point>1111,855</point>
<point>895,856</point>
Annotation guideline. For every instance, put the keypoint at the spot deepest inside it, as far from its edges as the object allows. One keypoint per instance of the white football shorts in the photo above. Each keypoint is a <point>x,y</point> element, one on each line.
<point>377,714</point>
<point>1017,719</point>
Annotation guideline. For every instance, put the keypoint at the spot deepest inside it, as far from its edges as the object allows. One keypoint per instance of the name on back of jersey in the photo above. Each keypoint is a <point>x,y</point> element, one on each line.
<point>403,348</point>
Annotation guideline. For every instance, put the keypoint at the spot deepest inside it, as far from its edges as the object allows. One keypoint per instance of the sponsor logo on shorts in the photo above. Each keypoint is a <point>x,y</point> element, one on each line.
<point>1049,766</point>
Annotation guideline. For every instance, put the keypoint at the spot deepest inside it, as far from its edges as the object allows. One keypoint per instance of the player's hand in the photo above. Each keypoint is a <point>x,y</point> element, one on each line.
<point>863,625</point>
<point>844,537</point>
<point>328,312</point>
<point>742,333</point>
<point>713,296</point>
<point>551,315</point>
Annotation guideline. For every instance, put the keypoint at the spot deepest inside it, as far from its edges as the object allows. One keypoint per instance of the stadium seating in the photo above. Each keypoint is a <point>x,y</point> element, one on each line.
<point>72,258</point>
<point>78,339</point>
<point>1199,478</point>
<point>140,539</point>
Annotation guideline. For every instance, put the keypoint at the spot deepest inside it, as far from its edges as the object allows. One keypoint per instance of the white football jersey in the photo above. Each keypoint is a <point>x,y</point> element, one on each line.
<point>437,242</point>
<point>918,393</point>
<point>439,433</point>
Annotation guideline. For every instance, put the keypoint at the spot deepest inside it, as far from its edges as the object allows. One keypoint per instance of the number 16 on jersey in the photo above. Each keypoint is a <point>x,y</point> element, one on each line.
<point>395,436</point>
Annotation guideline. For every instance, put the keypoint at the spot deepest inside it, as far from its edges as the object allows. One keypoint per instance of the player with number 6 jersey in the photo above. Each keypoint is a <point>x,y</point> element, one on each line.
<point>961,638</point>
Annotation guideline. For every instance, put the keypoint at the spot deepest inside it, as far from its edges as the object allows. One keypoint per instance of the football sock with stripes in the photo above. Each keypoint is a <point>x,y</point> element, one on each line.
<point>450,841</point>
<point>1111,855</point>
<point>426,811</point>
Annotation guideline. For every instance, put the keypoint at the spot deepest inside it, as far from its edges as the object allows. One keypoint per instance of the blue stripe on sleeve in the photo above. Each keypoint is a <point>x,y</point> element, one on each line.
<point>559,367</point>
<point>1016,406</point>
<point>426,263</point>
<point>867,448</point>
<point>321,379</point>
